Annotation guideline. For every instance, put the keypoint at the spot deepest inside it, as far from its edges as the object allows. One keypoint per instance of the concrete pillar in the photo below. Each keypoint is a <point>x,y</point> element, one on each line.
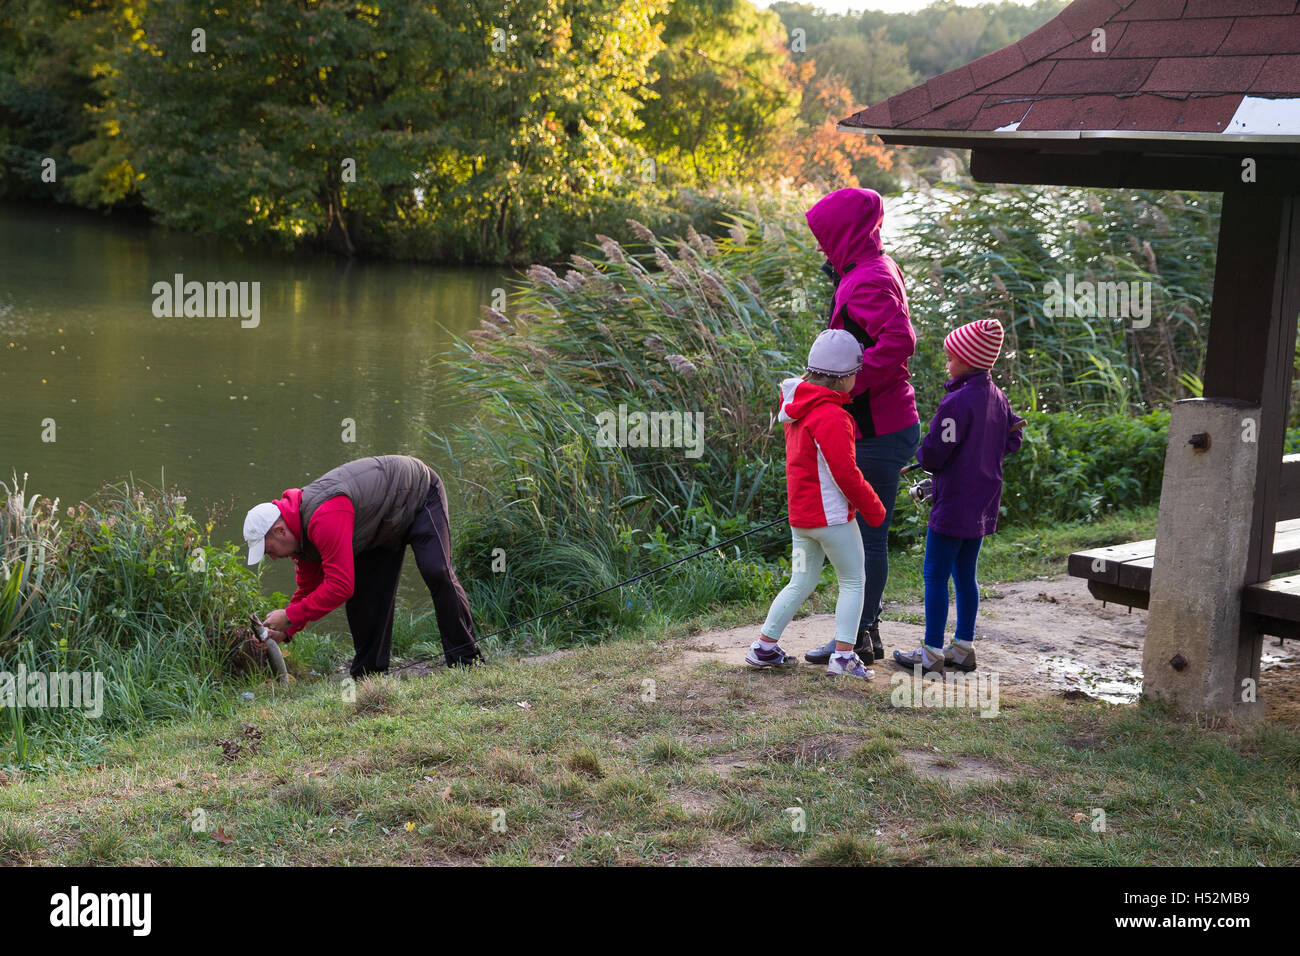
<point>1191,655</point>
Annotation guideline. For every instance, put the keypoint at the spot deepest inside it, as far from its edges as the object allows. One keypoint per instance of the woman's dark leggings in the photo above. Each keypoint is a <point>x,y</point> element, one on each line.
<point>879,459</point>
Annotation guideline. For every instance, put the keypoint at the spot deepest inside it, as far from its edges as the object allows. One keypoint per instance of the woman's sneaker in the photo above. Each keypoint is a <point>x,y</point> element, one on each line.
<point>931,660</point>
<point>850,664</point>
<point>766,654</point>
<point>960,656</point>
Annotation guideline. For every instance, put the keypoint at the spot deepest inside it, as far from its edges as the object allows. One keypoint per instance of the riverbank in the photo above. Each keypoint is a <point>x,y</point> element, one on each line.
<point>662,748</point>
<point>634,753</point>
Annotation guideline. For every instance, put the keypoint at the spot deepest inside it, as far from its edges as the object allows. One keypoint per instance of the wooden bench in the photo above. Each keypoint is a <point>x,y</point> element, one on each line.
<point>1122,572</point>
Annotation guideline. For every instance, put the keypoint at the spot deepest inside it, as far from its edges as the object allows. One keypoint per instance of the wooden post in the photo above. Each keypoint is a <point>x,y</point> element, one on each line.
<point>1250,356</point>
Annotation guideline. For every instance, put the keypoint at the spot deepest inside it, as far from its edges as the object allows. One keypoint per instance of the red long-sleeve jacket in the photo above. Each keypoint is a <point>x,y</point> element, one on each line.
<point>322,585</point>
<point>822,480</point>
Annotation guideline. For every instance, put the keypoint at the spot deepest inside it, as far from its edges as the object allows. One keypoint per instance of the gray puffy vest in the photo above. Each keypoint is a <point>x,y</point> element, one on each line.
<point>386,493</point>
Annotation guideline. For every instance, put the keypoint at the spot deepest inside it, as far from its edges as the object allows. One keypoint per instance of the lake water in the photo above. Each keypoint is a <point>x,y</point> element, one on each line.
<point>229,414</point>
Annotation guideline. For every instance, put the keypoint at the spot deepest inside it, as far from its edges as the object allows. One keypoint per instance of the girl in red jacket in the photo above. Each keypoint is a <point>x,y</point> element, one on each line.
<point>825,490</point>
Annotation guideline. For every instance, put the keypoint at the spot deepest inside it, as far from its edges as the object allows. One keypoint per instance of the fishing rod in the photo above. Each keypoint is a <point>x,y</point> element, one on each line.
<point>612,587</point>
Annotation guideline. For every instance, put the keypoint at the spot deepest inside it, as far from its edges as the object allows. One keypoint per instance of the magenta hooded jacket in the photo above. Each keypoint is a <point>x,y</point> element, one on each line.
<point>871,304</point>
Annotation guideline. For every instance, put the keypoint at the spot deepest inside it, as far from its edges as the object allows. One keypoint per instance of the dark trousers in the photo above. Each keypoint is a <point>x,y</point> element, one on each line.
<point>374,596</point>
<point>880,458</point>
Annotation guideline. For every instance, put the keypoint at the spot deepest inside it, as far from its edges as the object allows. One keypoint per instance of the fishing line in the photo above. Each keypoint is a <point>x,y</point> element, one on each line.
<point>612,587</point>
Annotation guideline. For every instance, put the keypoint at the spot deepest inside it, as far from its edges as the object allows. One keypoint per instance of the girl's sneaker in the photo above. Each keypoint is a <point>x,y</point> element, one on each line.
<point>960,657</point>
<point>850,664</point>
<point>765,654</point>
<point>931,660</point>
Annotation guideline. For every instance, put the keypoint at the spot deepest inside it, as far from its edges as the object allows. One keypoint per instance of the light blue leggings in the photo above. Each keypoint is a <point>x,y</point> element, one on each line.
<point>842,543</point>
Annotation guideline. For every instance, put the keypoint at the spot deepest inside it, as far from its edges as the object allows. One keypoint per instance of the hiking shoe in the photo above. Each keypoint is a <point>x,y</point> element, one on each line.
<point>850,664</point>
<point>761,656</point>
<point>877,648</point>
<point>862,648</point>
<point>962,658</point>
<point>931,661</point>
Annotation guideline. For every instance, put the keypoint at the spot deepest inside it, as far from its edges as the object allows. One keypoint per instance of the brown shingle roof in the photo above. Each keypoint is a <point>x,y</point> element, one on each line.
<point>1169,67</point>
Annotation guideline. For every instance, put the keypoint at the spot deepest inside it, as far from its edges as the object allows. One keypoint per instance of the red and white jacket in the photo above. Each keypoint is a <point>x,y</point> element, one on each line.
<point>822,481</point>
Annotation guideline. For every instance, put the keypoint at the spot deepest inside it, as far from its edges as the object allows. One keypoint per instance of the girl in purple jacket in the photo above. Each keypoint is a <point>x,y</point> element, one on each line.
<point>971,432</point>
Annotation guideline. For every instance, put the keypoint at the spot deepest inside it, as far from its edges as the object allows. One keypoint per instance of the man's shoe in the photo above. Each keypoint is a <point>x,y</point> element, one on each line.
<point>931,660</point>
<point>962,658</point>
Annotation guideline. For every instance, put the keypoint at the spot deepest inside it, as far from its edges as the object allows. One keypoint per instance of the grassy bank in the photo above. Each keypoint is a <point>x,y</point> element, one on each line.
<point>569,760</point>
<point>453,767</point>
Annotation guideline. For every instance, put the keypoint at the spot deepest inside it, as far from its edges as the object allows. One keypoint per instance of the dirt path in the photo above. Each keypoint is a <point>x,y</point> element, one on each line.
<point>1043,637</point>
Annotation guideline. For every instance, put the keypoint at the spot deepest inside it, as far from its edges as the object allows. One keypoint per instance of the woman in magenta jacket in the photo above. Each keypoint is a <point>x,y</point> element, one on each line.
<point>871,304</point>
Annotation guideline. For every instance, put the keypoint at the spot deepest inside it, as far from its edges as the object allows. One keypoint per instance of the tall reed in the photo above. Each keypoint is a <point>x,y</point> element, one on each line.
<point>989,251</point>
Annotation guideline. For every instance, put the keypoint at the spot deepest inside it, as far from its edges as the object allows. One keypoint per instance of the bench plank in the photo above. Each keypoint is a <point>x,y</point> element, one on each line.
<point>1279,598</point>
<point>1102,564</point>
<point>1130,565</point>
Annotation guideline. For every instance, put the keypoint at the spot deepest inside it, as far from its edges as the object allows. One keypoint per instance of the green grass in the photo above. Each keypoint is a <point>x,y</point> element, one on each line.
<point>457,771</point>
<point>567,761</point>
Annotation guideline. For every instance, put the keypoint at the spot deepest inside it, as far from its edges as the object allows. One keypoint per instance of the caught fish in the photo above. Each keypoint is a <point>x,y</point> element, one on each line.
<point>272,649</point>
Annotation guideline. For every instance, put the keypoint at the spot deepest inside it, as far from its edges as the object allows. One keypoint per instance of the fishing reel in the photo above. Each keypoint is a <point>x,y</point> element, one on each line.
<point>922,491</point>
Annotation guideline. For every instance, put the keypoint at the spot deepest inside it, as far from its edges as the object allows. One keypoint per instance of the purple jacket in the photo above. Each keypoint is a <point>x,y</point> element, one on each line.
<point>969,436</point>
<point>871,304</point>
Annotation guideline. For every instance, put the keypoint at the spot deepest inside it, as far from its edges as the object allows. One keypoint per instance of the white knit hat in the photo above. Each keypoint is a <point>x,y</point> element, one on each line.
<point>835,352</point>
<point>976,343</point>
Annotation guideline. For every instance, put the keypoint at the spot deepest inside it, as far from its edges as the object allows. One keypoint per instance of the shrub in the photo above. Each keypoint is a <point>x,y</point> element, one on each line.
<point>130,588</point>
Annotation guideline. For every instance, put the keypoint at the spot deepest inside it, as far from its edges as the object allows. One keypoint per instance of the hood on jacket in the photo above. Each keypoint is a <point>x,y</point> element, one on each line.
<point>846,224</point>
<point>290,505</point>
<point>798,398</point>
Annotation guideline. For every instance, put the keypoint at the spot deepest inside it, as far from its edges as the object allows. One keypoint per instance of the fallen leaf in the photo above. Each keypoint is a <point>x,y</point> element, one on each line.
<point>209,776</point>
<point>445,793</point>
<point>1079,817</point>
<point>221,836</point>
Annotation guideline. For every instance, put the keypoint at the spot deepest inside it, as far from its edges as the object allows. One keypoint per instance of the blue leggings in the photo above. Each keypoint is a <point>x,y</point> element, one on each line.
<point>948,557</point>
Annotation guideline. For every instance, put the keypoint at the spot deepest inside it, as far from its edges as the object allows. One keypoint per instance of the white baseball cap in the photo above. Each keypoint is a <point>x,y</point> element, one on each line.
<point>256,524</point>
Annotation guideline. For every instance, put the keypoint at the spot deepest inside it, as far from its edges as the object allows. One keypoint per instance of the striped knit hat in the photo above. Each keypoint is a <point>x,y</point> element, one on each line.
<point>976,343</point>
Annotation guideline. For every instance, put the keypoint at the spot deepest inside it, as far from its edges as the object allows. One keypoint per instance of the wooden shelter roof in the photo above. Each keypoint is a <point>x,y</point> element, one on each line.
<point>1204,74</point>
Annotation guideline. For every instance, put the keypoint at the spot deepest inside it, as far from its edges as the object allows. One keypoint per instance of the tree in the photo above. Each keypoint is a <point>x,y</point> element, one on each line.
<point>492,116</point>
<point>725,94</point>
<point>818,151</point>
<point>872,67</point>
<point>55,58</point>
